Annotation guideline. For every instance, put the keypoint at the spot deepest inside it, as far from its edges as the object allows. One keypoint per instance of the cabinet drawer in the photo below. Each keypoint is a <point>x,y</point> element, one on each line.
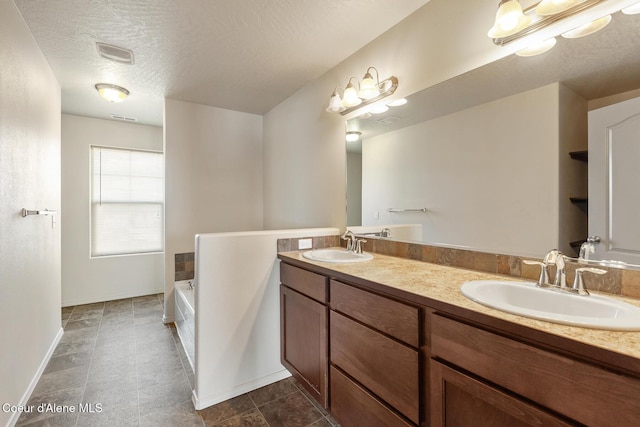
<point>394,318</point>
<point>307,283</point>
<point>386,367</point>
<point>352,405</point>
<point>586,393</point>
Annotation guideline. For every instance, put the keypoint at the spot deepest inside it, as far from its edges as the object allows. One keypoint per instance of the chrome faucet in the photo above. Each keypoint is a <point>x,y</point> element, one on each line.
<point>385,233</point>
<point>353,243</point>
<point>351,240</point>
<point>556,257</point>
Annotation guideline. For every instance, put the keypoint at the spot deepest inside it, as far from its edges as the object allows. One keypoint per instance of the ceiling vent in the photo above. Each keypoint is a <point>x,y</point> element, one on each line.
<point>115,53</point>
<point>389,120</point>
<point>123,118</point>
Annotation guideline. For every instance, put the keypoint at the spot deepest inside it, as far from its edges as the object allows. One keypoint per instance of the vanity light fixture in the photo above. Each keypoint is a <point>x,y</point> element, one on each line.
<point>352,136</point>
<point>368,91</point>
<point>510,19</point>
<point>512,23</point>
<point>111,92</point>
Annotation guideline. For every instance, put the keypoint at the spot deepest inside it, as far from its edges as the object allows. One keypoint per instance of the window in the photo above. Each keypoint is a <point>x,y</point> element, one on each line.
<point>127,201</point>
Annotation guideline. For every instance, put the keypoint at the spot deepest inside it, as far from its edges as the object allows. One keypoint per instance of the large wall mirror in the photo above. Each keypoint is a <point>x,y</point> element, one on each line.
<point>481,161</point>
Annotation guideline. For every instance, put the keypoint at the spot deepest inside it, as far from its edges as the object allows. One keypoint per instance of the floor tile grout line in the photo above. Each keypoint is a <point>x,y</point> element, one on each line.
<point>93,353</point>
<point>135,359</point>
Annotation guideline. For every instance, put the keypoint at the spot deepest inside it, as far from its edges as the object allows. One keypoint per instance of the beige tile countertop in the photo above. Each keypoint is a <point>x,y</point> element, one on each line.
<point>441,284</point>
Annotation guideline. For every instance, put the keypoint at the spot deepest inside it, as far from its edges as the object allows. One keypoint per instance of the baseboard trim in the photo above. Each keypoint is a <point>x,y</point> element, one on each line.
<point>205,402</point>
<point>134,294</point>
<point>27,394</point>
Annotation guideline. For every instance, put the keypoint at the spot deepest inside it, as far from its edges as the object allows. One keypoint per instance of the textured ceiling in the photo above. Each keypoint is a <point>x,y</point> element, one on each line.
<point>244,55</point>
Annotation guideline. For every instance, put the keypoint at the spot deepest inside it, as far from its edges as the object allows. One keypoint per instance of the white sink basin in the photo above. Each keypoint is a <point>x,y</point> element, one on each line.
<point>336,255</point>
<point>526,299</point>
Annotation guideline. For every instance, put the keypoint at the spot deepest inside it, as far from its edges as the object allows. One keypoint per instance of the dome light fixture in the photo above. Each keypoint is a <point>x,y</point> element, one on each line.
<point>352,136</point>
<point>111,92</point>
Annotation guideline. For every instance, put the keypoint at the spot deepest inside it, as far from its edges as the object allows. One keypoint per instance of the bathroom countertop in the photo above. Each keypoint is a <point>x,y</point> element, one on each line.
<point>438,286</point>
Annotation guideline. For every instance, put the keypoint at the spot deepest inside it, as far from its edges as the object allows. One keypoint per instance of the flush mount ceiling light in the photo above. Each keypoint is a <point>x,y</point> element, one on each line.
<point>111,92</point>
<point>352,136</point>
<point>555,17</point>
<point>368,91</point>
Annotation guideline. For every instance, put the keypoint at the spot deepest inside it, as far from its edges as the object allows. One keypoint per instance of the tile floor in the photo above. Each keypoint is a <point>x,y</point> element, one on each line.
<point>120,357</point>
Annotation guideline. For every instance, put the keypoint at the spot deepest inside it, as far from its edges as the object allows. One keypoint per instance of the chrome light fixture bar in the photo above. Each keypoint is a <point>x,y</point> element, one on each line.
<point>545,20</point>
<point>368,91</point>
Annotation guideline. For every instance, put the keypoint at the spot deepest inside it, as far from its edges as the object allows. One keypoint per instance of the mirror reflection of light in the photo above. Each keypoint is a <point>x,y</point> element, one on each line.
<point>537,48</point>
<point>588,28</point>
<point>632,10</point>
<point>378,109</point>
<point>397,102</point>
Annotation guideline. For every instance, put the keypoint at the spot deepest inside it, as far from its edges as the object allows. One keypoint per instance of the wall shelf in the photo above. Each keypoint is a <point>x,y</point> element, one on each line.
<point>583,155</point>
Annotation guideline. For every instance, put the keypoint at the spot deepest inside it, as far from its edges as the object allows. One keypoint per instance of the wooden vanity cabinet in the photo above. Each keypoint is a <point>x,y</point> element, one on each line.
<point>478,374</point>
<point>303,329</point>
<point>374,358</point>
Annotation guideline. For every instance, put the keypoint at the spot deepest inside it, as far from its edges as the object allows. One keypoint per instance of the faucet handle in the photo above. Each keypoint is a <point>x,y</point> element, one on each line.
<point>578,282</point>
<point>358,248</point>
<point>543,280</point>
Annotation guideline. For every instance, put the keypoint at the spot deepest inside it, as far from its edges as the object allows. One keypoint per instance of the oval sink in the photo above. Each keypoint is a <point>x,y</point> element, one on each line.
<point>336,255</point>
<point>528,300</point>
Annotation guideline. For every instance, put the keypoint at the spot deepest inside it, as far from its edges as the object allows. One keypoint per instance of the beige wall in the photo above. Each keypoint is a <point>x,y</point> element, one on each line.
<point>86,279</point>
<point>304,147</point>
<point>491,185</point>
<point>213,177</point>
<point>29,178</point>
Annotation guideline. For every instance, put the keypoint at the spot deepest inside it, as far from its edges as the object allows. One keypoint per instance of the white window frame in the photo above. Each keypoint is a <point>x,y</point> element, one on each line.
<point>153,216</point>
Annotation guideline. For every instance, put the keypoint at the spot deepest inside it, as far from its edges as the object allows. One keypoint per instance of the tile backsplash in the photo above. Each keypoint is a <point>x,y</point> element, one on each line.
<point>617,281</point>
<point>185,266</point>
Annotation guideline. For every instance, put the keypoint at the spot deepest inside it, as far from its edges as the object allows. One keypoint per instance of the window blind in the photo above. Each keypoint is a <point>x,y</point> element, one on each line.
<point>127,201</point>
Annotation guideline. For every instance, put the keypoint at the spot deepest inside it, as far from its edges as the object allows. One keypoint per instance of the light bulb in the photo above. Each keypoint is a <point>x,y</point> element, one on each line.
<point>351,98</point>
<point>368,87</point>
<point>509,20</point>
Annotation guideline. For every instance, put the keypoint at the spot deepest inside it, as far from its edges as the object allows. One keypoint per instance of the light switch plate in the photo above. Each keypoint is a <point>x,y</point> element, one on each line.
<point>305,243</point>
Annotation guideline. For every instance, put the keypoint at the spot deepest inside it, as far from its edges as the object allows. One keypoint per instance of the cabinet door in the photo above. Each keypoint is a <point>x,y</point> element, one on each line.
<point>458,400</point>
<point>303,341</point>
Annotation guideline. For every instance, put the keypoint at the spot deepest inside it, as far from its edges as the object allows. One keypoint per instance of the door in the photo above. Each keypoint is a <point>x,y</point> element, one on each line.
<point>614,181</point>
<point>304,342</point>
<point>458,400</point>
